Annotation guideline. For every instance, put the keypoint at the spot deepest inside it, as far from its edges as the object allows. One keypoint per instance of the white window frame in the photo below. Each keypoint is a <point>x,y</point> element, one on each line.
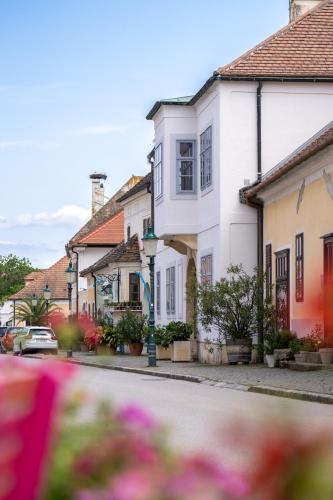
<point>206,159</point>
<point>170,286</point>
<point>158,293</point>
<point>179,160</point>
<point>158,171</point>
<point>205,277</point>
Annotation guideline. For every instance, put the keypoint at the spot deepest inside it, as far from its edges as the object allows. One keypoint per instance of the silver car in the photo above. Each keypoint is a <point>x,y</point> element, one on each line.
<point>35,338</point>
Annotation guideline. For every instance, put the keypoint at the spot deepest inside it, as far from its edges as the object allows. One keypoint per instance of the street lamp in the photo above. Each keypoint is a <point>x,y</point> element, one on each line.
<point>34,300</point>
<point>150,241</point>
<point>47,296</point>
<point>70,274</point>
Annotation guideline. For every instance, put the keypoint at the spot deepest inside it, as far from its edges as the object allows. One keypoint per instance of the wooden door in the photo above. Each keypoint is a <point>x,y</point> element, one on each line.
<point>283,290</point>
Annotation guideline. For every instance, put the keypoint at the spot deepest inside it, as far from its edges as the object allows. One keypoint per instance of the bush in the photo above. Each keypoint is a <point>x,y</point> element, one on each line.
<point>110,336</point>
<point>161,336</point>
<point>280,340</point>
<point>176,331</point>
<point>131,327</point>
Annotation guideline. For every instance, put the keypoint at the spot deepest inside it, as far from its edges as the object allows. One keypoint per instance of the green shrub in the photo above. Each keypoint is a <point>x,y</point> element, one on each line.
<point>176,331</point>
<point>131,327</point>
<point>111,335</point>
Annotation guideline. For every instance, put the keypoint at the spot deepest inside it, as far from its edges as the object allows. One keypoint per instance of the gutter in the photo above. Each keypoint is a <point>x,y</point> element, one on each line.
<point>235,78</point>
<point>95,295</point>
<point>150,159</point>
<point>77,281</point>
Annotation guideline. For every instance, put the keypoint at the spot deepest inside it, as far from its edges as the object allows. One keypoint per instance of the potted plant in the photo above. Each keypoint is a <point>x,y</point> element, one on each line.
<point>269,346</point>
<point>231,307</point>
<point>162,341</point>
<point>111,337</point>
<point>178,335</point>
<point>284,341</point>
<point>131,329</point>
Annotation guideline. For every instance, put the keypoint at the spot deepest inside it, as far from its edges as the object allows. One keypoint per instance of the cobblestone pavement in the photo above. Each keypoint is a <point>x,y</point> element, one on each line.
<point>316,381</point>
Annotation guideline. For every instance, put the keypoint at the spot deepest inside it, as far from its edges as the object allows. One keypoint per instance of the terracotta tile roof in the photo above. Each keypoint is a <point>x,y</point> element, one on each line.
<point>110,209</point>
<point>317,143</point>
<point>128,251</point>
<point>55,277</point>
<point>143,185</point>
<point>111,232</point>
<point>304,48</point>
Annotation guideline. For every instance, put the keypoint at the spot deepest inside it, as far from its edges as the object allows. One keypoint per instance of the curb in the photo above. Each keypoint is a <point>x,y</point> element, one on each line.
<point>312,397</point>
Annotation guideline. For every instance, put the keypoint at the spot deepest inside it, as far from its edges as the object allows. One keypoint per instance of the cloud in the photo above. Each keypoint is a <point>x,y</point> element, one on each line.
<point>102,130</point>
<point>22,143</point>
<point>3,219</point>
<point>68,215</point>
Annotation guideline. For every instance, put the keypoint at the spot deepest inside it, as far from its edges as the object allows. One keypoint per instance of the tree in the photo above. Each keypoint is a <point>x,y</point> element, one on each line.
<point>35,315</point>
<point>13,270</point>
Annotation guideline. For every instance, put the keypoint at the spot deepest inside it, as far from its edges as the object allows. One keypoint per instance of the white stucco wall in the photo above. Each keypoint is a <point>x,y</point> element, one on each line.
<point>291,114</point>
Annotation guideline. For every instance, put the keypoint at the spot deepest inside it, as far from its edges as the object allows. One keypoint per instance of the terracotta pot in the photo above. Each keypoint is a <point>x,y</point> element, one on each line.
<point>136,348</point>
<point>239,351</point>
<point>113,350</point>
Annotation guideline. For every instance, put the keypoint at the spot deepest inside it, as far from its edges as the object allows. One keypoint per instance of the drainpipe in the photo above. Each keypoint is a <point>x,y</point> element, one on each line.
<point>77,282</point>
<point>95,295</point>
<point>14,316</point>
<point>150,158</point>
<point>259,130</point>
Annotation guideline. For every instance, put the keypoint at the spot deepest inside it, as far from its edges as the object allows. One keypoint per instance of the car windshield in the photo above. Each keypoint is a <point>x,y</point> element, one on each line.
<point>40,331</point>
<point>16,330</point>
<point>2,330</point>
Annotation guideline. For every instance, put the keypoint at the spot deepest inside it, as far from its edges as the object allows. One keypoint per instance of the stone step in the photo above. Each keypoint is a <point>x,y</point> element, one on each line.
<point>308,367</point>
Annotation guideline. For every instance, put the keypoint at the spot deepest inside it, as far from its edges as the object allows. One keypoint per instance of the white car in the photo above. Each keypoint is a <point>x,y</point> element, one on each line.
<point>35,338</point>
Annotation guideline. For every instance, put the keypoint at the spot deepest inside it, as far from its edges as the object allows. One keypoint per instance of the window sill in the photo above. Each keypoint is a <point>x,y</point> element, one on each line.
<point>159,200</point>
<point>205,191</point>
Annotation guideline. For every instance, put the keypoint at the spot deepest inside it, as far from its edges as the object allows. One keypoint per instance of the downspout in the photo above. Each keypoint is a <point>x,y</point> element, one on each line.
<point>14,317</point>
<point>77,281</point>
<point>95,295</point>
<point>259,131</point>
<point>150,158</point>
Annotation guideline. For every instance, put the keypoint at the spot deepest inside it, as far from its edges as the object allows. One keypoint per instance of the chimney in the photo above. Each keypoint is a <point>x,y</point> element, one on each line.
<point>299,7</point>
<point>97,198</point>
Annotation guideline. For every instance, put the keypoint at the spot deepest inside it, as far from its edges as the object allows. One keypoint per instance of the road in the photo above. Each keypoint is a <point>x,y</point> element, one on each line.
<point>195,413</point>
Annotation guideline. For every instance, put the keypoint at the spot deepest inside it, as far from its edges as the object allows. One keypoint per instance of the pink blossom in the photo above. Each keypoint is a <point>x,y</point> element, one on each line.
<point>135,416</point>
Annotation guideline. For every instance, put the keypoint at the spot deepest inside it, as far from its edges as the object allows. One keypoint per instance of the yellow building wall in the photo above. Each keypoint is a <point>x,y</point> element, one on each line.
<point>281,225</point>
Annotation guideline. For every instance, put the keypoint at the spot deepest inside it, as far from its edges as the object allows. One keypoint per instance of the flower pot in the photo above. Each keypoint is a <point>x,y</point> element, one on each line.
<point>239,351</point>
<point>84,347</point>
<point>102,350</point>
<point>270,360</point>
<point>113,349</point>
<point>326,355</point>
<point>163,352</point>
<point>282,355</point>
<point>135,348</point>
<point>181,351</point>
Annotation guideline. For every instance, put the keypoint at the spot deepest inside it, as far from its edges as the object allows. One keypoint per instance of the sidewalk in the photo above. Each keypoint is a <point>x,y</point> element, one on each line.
<point>312,386</point>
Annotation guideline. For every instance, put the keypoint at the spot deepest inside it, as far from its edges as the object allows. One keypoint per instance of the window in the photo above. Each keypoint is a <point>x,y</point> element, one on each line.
<point>299,264</point>
<point>206,158</point>
<point>158,293</point>
<point>146,225</point>
<point>170,290</point>
<point>128,232</point>
<point>185,166</point>
<point>269,273</point>
<point>158,188</point>
<point>207,269</point>
<point>134,287</point>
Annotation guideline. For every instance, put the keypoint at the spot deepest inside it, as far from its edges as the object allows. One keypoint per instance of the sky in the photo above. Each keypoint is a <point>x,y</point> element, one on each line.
<point>77,80</point>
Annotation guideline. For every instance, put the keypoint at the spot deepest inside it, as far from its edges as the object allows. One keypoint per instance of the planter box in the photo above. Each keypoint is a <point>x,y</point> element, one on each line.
<point>181,351</point>
<point>282,354</point>
<point>84,347</point>
<point>102,350</point>
<point>326,355</point>
<point>311,357</point>
<point>239,351</point>
<point>163,353</point>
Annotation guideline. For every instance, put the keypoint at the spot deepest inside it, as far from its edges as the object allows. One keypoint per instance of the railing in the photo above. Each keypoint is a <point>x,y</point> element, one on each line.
<point>123,306</point>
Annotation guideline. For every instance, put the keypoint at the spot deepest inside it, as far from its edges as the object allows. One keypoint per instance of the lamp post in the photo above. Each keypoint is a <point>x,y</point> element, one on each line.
<point>34,300</point>
<point>150,241</point>
<point>47,296</point>
<point>70,274</point>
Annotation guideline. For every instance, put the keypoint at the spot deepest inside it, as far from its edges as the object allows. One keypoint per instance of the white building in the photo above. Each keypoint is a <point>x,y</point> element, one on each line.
<point>247,117</point>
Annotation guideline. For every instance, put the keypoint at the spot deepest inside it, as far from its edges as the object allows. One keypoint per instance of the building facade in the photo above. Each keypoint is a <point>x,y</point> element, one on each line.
<point>247,117</point>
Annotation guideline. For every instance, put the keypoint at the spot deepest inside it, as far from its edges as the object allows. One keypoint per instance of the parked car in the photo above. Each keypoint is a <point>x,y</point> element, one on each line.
<point>9,335</point>
<point>3,330</point>
<point>35,338</point>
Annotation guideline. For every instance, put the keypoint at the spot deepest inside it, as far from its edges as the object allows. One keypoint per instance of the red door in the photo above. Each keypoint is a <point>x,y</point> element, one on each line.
<point>328,287</point>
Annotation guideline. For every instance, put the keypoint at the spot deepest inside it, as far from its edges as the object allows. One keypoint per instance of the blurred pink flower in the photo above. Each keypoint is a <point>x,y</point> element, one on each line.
<point>134,416</point>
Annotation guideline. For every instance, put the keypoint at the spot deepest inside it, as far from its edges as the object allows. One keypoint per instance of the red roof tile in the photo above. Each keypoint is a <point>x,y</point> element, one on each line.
<point>304,48</point>
<point>111,232</point>
<point>56,279</point>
